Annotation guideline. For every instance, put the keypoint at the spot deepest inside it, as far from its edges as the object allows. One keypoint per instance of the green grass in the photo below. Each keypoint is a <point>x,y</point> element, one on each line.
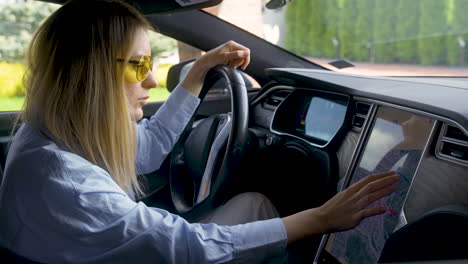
<point>158,94</point>
<point>11,79</point>
<point>11,103</point>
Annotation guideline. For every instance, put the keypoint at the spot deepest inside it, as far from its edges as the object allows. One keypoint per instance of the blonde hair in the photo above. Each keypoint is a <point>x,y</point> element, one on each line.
<point>75,84</point>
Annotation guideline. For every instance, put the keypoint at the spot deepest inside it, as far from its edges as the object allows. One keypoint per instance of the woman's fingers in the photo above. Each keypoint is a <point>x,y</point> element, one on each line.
<point>368,199</point>
<point>346,209</point>
<point>236,55</point>
<point>378,184</point>
<point>231,53</point>
<point>370,212</point>
<point>356,187</point>
<point>237,58</point>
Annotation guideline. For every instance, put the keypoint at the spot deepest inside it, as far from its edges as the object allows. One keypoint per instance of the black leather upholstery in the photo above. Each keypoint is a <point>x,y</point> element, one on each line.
<point>9,257</point>
<point>1,175</point>
<point>441,234</point>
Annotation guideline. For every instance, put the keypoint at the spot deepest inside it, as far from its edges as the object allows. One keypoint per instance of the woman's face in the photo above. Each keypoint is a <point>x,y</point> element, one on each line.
<point>138,92</point>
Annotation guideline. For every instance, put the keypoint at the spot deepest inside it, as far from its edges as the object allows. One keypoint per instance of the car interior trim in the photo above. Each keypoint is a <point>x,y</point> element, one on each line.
<point>440,141</point>
<point>426,152</point>
<point>269,92</point>
<point>360,144</point>
<point>415,111</point>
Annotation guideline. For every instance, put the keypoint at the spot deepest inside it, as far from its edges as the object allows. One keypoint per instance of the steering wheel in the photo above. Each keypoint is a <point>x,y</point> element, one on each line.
<point>206,159</point>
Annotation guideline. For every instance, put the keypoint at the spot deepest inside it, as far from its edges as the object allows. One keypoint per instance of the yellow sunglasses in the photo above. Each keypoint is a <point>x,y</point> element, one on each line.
<point>137,68</point>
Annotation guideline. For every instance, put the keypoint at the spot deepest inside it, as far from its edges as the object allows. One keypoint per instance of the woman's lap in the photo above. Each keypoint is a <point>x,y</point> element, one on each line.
<point>243,208</point>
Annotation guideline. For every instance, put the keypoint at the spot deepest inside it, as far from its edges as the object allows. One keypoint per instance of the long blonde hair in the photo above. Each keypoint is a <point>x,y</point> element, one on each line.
<point>75,84</point>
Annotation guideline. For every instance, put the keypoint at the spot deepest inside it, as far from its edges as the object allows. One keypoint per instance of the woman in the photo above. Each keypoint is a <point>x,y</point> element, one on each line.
<point>71,176</point>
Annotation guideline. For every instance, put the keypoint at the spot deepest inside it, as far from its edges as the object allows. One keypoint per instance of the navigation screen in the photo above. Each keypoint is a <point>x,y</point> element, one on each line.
<point>396,143</point>
<point>311,115</point>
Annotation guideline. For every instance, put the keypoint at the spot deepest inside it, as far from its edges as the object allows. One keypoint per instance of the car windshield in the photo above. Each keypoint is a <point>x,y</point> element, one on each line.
<point>378,37</point>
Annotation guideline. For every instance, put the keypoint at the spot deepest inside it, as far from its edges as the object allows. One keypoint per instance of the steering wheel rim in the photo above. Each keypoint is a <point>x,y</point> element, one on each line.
<point>233,154</point>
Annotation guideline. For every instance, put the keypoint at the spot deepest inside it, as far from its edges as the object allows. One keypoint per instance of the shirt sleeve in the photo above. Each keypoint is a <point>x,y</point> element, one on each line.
<point>152,235</point>
<point>157,136</point>
<point>94,221</point>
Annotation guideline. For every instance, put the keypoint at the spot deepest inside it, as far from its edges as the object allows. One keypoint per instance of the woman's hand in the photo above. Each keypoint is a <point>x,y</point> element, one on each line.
<point>345,210</point>
<point>230,53</point>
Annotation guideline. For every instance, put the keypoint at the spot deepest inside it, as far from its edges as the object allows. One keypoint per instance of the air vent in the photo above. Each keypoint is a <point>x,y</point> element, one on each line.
<point>360,115</point>
<point>453,145</point>
<point>275,99</point>
<point>456,133</point>
<point>362,108</point>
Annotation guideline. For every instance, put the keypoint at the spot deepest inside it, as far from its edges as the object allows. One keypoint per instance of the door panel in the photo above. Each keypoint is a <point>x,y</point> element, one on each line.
<point>7,121</point>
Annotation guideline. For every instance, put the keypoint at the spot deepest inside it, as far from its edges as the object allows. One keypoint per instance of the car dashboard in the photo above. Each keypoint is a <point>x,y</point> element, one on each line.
<point>327,130</point>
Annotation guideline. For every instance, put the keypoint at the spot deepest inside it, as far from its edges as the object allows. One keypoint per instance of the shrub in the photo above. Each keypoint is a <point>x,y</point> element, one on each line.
<point>11,79</point>
<point>161,74</point>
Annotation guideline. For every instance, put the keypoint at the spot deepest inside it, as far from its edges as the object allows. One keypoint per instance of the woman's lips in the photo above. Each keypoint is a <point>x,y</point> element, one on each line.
<point>144,100</point>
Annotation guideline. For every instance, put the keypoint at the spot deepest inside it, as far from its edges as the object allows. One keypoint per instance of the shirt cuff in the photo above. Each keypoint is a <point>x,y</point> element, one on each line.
<point>251,241</point>
<point>180,105</point>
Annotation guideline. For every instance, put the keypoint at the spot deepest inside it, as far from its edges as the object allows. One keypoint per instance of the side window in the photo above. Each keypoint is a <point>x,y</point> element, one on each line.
<point>18,21</point>
<point>167,52</point>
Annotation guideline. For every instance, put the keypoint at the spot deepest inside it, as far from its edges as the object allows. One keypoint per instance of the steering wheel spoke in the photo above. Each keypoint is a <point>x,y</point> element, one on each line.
<point>212,150</point>
<point>222,134</point>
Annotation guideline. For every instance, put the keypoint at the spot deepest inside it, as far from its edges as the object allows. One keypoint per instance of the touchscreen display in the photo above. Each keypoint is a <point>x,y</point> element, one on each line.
<point>396,143</point>
<point>311,115</point>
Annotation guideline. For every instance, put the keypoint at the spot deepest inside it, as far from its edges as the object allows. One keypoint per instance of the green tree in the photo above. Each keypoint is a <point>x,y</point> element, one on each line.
<point>364,29</point>
<point>161,44</point>
<point>311,26</point>
<point>458,32</point>
<point>384,31</point>
<point>347,29</point>
<point>304,27</point>
<point>433,27</point>
<point>407,29</point>
<point>315,42</point>
<point>331,20</point>
<point>292,26</point>
<point>17,24</point>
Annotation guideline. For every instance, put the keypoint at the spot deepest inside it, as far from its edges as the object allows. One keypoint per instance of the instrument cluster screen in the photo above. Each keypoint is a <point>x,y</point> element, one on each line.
<point>311,115</point>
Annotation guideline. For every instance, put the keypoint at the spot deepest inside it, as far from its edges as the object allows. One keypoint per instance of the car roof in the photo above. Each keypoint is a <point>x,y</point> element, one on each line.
<point>148,7</point>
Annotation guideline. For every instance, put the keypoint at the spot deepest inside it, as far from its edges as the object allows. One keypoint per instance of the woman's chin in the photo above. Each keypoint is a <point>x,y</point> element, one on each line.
<point>137,114</point>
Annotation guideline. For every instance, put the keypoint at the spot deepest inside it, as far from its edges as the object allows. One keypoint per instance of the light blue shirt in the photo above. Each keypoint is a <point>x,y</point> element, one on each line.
<point>56,207</point>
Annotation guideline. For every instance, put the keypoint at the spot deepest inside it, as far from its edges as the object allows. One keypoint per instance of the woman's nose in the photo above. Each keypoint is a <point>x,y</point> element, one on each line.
<point>150,81</point>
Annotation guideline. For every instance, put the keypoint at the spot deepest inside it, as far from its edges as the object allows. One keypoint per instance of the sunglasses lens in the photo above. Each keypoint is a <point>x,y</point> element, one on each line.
<point>144,68</point>
<point>131,73</point>
<point>137,72</point>
<point>142,73</point>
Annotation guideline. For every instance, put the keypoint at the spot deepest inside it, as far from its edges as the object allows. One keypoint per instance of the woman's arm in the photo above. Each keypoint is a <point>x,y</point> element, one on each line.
<point>157,136</point>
